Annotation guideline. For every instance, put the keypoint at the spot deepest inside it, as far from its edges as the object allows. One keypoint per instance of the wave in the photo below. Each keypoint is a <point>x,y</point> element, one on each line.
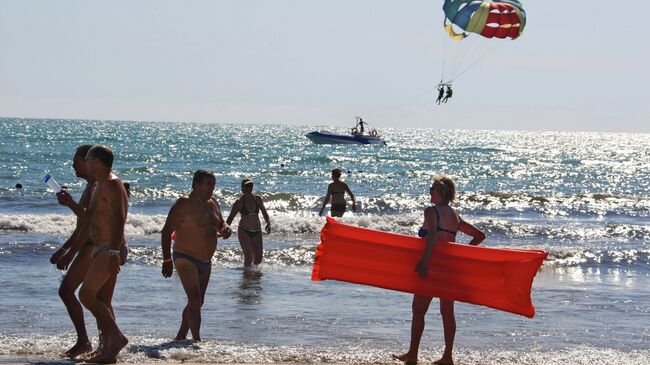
<point>591,205</point>
<point>575,257</point>
<point>555,231</point>
<point>63,225</point>
<point>149,349</point>
<point>480,150</point>
<point>297,256</point>
<point>397,203</point>
<point>300,254</point>
<point>557,205</point>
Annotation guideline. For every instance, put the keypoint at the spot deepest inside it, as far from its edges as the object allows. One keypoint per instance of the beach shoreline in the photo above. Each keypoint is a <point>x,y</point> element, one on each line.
<point>575,356</point>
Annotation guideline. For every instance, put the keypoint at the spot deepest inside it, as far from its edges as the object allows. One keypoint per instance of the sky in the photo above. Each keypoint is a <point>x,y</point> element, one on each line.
<point>578,66</point>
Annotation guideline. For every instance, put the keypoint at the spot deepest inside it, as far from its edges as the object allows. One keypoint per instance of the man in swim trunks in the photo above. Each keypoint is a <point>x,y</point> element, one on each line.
<point>104,226</point>
<point>197,221</point>
<point>336,191</point>
<point>249,232</point>
<point>79,266</point>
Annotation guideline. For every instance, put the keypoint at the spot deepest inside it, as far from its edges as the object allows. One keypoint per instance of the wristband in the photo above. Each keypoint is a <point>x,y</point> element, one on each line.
<point>114,252</point>
<point>167,260</point>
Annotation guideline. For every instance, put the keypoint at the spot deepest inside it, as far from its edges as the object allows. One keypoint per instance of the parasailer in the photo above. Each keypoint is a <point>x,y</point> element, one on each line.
<point>449,93</point>
<point>441,93</point>
<point>472,26</point>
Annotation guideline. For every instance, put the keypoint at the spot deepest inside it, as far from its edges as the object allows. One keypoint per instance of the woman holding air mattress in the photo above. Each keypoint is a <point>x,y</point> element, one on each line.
<point>441,223</point>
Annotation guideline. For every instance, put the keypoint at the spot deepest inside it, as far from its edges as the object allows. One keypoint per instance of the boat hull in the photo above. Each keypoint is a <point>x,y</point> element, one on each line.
<point>331,138</point>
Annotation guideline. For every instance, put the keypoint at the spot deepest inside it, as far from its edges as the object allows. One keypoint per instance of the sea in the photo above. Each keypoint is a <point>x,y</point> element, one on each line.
<point>582,197</point>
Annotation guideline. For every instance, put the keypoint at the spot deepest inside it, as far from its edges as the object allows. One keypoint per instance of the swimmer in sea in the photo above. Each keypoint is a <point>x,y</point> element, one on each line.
<point>336,192</point>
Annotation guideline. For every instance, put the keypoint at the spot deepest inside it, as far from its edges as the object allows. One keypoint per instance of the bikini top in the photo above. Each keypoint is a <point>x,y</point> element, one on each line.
<point>423,232</point>
<point>338,192</point>
<point>244,210</point>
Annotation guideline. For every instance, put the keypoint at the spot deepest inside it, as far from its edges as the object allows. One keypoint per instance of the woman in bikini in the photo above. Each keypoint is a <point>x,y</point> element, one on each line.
<point>336,191</point>
<point>249,232</point>
<point>441,223</point>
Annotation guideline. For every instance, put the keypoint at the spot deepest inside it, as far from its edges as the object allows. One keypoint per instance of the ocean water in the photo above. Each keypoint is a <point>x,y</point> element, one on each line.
<point>582,197</point>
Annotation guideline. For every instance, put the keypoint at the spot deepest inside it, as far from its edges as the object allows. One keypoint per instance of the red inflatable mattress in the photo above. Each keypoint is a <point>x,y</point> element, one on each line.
<point>494,277</point>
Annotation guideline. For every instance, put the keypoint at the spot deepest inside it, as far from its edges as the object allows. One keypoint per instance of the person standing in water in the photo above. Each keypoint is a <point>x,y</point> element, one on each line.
<point>197,221</point>
<point>79,266</point>
<point>103,224</point>
<point>249,233</point>
<point>336,192</point>
<point>441,223</point>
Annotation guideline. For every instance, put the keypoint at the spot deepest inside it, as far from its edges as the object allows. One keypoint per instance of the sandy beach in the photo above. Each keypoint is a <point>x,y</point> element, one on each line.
<point>577,356</point>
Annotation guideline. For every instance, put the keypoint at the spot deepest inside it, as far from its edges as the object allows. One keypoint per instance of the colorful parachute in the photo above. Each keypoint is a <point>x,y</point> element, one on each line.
<point>489,18</point>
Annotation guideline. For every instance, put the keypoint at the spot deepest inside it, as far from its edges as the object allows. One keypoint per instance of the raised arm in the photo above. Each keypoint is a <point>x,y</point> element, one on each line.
<point>477,235</point>
<point>79,209</point>
<point>64,198</point>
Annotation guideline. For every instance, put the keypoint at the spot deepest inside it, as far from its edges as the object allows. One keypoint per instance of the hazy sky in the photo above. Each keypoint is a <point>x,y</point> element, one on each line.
<point>578,66</point>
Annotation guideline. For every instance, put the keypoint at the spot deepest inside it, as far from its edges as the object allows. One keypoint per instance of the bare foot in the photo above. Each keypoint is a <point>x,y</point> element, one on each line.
<point>444,361</point>
<point>101,359</point>
<point>92,354</point>
<point>407,358</point>
<point>112,347</point>
<point>98,350</point>
<point>78,349</point>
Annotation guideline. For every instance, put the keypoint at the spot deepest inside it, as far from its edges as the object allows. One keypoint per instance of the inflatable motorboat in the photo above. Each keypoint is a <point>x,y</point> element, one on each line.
<point>356,136</point>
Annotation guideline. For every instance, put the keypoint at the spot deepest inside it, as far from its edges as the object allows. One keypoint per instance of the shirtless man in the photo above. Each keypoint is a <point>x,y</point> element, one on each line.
<point>77,270</point>
<point>104,226</point>
<point>197,221</point>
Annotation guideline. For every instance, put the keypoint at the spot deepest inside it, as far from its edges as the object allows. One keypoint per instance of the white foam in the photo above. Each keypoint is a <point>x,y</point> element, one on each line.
<point>301,222</point>
<point>141,349</point>
<point>309,223</point>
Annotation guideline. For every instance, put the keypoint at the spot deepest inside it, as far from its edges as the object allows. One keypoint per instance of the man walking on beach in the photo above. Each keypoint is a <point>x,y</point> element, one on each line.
<point>197,222</point>
<point>77,270</point>
<point>104,226</point>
